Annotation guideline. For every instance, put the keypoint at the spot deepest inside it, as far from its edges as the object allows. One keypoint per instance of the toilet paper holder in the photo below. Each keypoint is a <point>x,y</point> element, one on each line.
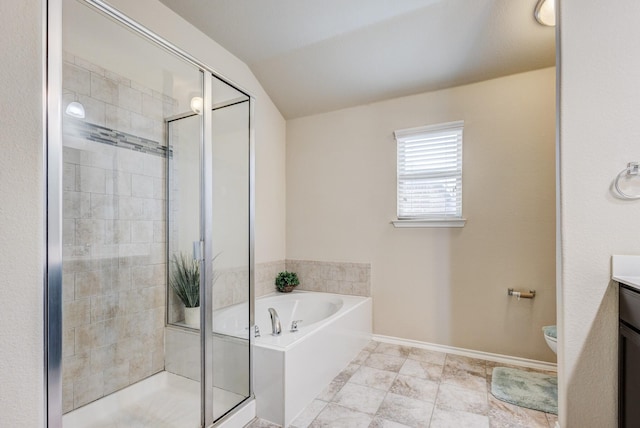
<point>521,294</point>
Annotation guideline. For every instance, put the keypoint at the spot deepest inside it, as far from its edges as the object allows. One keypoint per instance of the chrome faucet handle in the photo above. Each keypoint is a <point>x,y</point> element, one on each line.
<point>257,331</point>
<point>294,325</point>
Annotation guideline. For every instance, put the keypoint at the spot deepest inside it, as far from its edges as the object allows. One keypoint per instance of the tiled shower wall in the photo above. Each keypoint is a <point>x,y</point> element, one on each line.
<point>114,256</point>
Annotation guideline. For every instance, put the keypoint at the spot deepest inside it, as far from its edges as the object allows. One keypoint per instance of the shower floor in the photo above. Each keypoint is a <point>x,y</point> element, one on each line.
<point>163,400</point>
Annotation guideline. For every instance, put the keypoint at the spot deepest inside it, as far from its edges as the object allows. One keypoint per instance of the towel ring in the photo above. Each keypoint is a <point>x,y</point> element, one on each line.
<point>631,169</point>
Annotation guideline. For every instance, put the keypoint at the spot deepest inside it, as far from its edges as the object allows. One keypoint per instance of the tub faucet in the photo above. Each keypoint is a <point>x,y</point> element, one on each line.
<point>276,328</point>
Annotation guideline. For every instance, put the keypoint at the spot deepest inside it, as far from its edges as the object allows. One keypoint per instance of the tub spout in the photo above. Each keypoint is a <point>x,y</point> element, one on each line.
<point>276,328</point>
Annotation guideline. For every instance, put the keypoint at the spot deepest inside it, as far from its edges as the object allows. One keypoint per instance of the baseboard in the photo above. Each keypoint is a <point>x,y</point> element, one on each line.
<point>505,359</point>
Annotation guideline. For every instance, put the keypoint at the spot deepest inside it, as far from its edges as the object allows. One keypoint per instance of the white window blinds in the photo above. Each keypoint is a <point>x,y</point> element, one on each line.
<point>430,172</point>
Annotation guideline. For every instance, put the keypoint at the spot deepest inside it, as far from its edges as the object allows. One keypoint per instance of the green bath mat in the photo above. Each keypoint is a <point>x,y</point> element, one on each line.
<point>535,391</point>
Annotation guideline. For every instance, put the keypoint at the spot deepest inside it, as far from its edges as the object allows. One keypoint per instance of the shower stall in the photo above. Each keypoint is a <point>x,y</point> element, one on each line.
<point>150,195</point>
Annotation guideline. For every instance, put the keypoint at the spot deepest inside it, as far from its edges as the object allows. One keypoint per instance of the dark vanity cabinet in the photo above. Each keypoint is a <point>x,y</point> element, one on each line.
<point>629,358</point>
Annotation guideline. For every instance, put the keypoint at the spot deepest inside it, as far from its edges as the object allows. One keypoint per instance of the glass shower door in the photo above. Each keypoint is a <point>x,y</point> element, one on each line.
<point>118,89</point>
<point>231,240</point>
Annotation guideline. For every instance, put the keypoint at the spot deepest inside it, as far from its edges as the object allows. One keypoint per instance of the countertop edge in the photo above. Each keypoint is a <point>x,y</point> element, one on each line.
<point>631,281</point>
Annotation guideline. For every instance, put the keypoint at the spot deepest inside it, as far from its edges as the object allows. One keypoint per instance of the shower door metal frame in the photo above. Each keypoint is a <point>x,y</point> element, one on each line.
<point>52,64</point>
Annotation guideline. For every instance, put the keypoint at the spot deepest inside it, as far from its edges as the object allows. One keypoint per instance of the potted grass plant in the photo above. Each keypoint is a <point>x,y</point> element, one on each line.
<point>286,281</point>
<point>185,282</point>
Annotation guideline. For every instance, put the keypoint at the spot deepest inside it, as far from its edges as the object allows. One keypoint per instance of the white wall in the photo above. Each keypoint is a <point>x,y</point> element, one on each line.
<point>600,101</point>
<point>269,123</point>
<point>21,219</point>
<point>445,286</point>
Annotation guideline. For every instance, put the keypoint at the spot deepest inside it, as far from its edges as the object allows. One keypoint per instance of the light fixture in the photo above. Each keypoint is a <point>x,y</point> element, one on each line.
<point>197,104</point>
<point>75,109</point>
<point>545,12</point>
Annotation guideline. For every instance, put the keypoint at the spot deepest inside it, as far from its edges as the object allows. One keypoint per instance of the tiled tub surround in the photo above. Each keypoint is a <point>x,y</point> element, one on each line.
<point>332,277</point>
<point>399,386</point>
<point>114,238</point>
<point>231,286</point>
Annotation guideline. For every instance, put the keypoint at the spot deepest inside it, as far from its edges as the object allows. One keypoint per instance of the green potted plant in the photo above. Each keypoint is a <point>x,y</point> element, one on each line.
<point>285,281</point>
<point>185,282</point>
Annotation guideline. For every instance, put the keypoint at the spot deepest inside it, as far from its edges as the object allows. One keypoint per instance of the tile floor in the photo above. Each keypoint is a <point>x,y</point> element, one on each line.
<point>392,386</point>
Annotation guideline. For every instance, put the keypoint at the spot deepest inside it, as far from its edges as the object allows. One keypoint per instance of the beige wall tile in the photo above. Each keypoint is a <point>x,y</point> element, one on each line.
<point>88,284</point>
<point>94,110</point>
<point>75,367</point>
<point>104,206</point>
<point>88,389</point>
<point>118,231</point>
<point>89,66</point>
<point>104,89</point>
<point>142,125</point>
<point>152,107</point>
<point>129,98</point>
<point>76,79</point>
<point>142,231</point>
<point>68,342</point>
<point>67,397</point>
<point>141,186</point>
<point>90,179</point>
<point>148,276</point>
<point>75,313</point>
<point>89,336</point>
<point>102,358</point>
<point>106,307</point>
<point>116,377</point>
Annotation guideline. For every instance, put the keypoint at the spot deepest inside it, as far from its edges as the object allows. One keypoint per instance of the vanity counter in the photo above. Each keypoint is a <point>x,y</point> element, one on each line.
<point>626,270</point>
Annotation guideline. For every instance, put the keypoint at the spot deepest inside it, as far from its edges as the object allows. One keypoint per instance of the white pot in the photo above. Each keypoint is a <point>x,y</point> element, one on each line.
<point>192,317</point>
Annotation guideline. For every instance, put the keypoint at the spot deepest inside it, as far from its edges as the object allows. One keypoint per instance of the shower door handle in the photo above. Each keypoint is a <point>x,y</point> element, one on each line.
<point>198,250</point>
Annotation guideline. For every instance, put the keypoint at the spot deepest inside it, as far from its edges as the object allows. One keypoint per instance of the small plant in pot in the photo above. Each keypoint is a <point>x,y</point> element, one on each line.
<point>185,282</point>
<point>286,281</point>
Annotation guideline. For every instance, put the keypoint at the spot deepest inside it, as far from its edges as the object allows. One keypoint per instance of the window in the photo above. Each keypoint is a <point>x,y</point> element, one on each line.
<point>430,176</point>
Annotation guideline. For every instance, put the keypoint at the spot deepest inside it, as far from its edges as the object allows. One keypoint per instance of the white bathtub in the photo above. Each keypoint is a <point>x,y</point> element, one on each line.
<point>290,370</point>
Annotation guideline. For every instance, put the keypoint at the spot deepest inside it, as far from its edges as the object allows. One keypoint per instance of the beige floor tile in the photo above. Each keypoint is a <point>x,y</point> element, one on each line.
<point>335,416</point>
<point>471,365</point>
<point>391,349</point>
<point>385,362</point>
<point>330,391</point>
<point>422,369</point>
<point>359,398</point>
<point>361,357</point>
<point>552,419</point>
<point>346,374</point>
<point>379,422</point>
<point>261,423</point>
<point>373,378</point>
<point>457,419</point>
<point>427,356</point>
<point>420,389</point>
<point>464,379</point>
<point>371,346</point>
<point>405,410</point>
<point>397,387</point>
<point>307,416</point>
<point>451,397</point>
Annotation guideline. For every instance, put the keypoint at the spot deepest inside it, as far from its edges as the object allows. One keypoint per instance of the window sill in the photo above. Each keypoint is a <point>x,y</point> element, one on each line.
<point>441,222</point>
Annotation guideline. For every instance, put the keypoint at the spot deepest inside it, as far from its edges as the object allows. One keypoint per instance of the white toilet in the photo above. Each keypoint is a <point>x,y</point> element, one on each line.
<point>551,337</point>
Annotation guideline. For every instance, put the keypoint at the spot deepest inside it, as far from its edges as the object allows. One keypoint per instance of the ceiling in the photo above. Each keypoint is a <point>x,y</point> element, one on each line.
<point>314,56</point>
